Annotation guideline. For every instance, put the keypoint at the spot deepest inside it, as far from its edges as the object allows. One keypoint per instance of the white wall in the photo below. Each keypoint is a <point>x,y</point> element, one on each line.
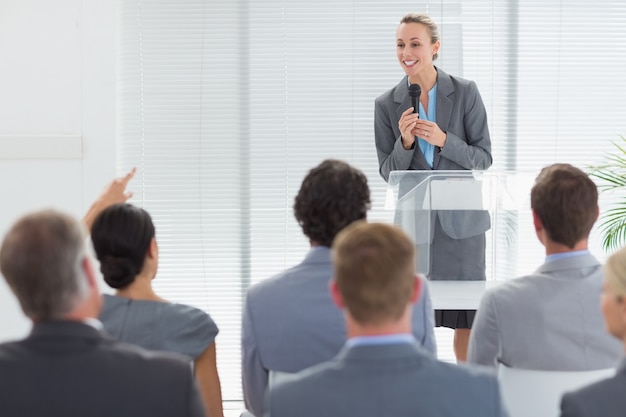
<point>57,107</point>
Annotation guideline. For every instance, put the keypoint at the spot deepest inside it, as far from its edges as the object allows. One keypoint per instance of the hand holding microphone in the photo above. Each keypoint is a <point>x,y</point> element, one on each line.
<point>409,118</point>
<point>429,131</point>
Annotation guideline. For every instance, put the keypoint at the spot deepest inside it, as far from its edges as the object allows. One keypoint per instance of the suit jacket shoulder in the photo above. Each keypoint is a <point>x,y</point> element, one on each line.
<point>398,380</point>
<point>72,370</point>
<point>549,320</point>
<point>604,398</point>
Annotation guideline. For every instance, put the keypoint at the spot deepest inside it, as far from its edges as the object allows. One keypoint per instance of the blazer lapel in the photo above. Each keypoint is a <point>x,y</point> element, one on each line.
<point>445,102</point>
<point>401,96</point>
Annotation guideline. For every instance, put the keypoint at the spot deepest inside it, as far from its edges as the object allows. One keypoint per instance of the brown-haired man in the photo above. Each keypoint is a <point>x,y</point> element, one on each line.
<point>550,320</point>
<point>381,370</point>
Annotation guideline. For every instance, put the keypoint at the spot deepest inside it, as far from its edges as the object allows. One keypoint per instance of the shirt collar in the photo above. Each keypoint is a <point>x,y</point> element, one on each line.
<point>95,323</point>
<point>565,255</point>
<point>387,339</point>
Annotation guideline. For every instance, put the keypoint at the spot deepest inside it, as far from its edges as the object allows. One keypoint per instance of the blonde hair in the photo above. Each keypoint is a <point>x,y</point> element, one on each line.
<point>615,272</point>
<point>375,271</point>
<point>425,20</point>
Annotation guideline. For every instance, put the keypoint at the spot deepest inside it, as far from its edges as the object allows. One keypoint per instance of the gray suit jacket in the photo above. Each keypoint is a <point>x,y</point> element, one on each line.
<point>550,320</point>
<point>290,323</point>
<point>460,113</point>
<point>604,398</point>
<point>398,380</point>
<point>66,369</point>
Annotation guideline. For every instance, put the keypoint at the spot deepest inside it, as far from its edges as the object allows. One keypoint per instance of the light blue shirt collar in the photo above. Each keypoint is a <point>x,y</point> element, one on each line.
<point>388,339</point>
<point>565,255</point>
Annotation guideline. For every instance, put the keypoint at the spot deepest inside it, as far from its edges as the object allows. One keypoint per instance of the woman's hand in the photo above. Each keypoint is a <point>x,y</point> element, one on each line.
<point>407,124</point>
<point>114,193</point>
<point>430,132</point>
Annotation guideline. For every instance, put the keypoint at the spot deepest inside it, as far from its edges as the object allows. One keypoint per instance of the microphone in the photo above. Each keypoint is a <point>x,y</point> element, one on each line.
<point>414,92</point>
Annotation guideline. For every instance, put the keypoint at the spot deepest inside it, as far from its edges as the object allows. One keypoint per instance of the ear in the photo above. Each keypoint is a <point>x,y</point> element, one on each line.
<point>598,213</point>
<point>436,47</point>
<point>537,222</point>
<point>153,249</point>
<point>417,289</point>
<point>622,308</point>
<point>91,276</point>
<point>336,294</point>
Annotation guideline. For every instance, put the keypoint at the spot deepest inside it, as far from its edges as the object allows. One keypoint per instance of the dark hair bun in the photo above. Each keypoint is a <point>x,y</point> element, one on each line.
<point>118,272</point>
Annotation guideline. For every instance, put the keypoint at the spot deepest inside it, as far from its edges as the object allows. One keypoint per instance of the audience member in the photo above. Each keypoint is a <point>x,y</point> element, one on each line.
<point>124,240</point>
<point>66,366</point>
<point>289,321</point>
<point>382,370</point>
<point>605,398</point>
<point>550,320</point>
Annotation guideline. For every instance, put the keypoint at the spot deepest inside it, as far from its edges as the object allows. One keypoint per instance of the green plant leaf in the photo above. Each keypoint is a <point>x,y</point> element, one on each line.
<point>612,177</point>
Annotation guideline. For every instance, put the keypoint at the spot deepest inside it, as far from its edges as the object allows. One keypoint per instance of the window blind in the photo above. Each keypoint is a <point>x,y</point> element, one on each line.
<point>225,106</point>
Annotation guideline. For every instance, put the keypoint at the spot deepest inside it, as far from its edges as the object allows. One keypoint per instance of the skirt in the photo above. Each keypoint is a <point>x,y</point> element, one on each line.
<point>458,259</point>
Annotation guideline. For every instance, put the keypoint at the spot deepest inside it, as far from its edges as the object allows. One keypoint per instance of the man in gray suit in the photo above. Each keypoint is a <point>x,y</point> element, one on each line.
<point>550,320</point>
<point>289,321</point>
<point>66,367</point>
<point>381,370</point>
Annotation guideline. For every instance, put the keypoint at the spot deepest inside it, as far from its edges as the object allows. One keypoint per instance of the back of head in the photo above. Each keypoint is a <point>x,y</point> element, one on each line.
<point>332,195</point>
<point>566,201</point>
<point>375,271</point>
<point>121,236</point>
<point>41,260</point>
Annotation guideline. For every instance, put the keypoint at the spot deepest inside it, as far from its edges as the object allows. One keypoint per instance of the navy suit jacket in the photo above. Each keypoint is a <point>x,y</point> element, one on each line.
<point>68,368</point>
<point>604,398</point>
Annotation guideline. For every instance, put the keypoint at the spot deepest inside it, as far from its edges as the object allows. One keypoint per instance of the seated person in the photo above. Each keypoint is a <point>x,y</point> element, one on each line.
<point>382,370</point>
<point>289,321</point>
<point>123,237</point>
<point>550,320</point>
<point>606,398</point>
<point>66,366</point>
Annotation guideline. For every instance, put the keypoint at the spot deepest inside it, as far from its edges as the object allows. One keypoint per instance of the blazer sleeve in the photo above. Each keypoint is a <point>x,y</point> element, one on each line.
<point>254,375</point>
<point>391,154</point>
<point>484,344</point>
<point>473,152</point>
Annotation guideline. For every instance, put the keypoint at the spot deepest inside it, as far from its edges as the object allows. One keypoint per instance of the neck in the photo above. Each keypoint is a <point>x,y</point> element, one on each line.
<point>356,329</point>
<point>140,289</point>
<point>426,79</point>
<point>554,247</point>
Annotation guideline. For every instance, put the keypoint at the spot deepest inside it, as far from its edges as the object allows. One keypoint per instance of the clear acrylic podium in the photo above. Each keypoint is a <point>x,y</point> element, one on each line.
<point>463,204</point>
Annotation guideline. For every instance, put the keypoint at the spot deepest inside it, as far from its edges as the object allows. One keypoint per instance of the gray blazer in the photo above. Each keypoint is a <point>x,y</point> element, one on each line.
<point>67,369</point>
<point>549,320</point>
<point>290,323</point>
<point>399,380</point>
<point>460,113</point>
<point>604,398</point>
